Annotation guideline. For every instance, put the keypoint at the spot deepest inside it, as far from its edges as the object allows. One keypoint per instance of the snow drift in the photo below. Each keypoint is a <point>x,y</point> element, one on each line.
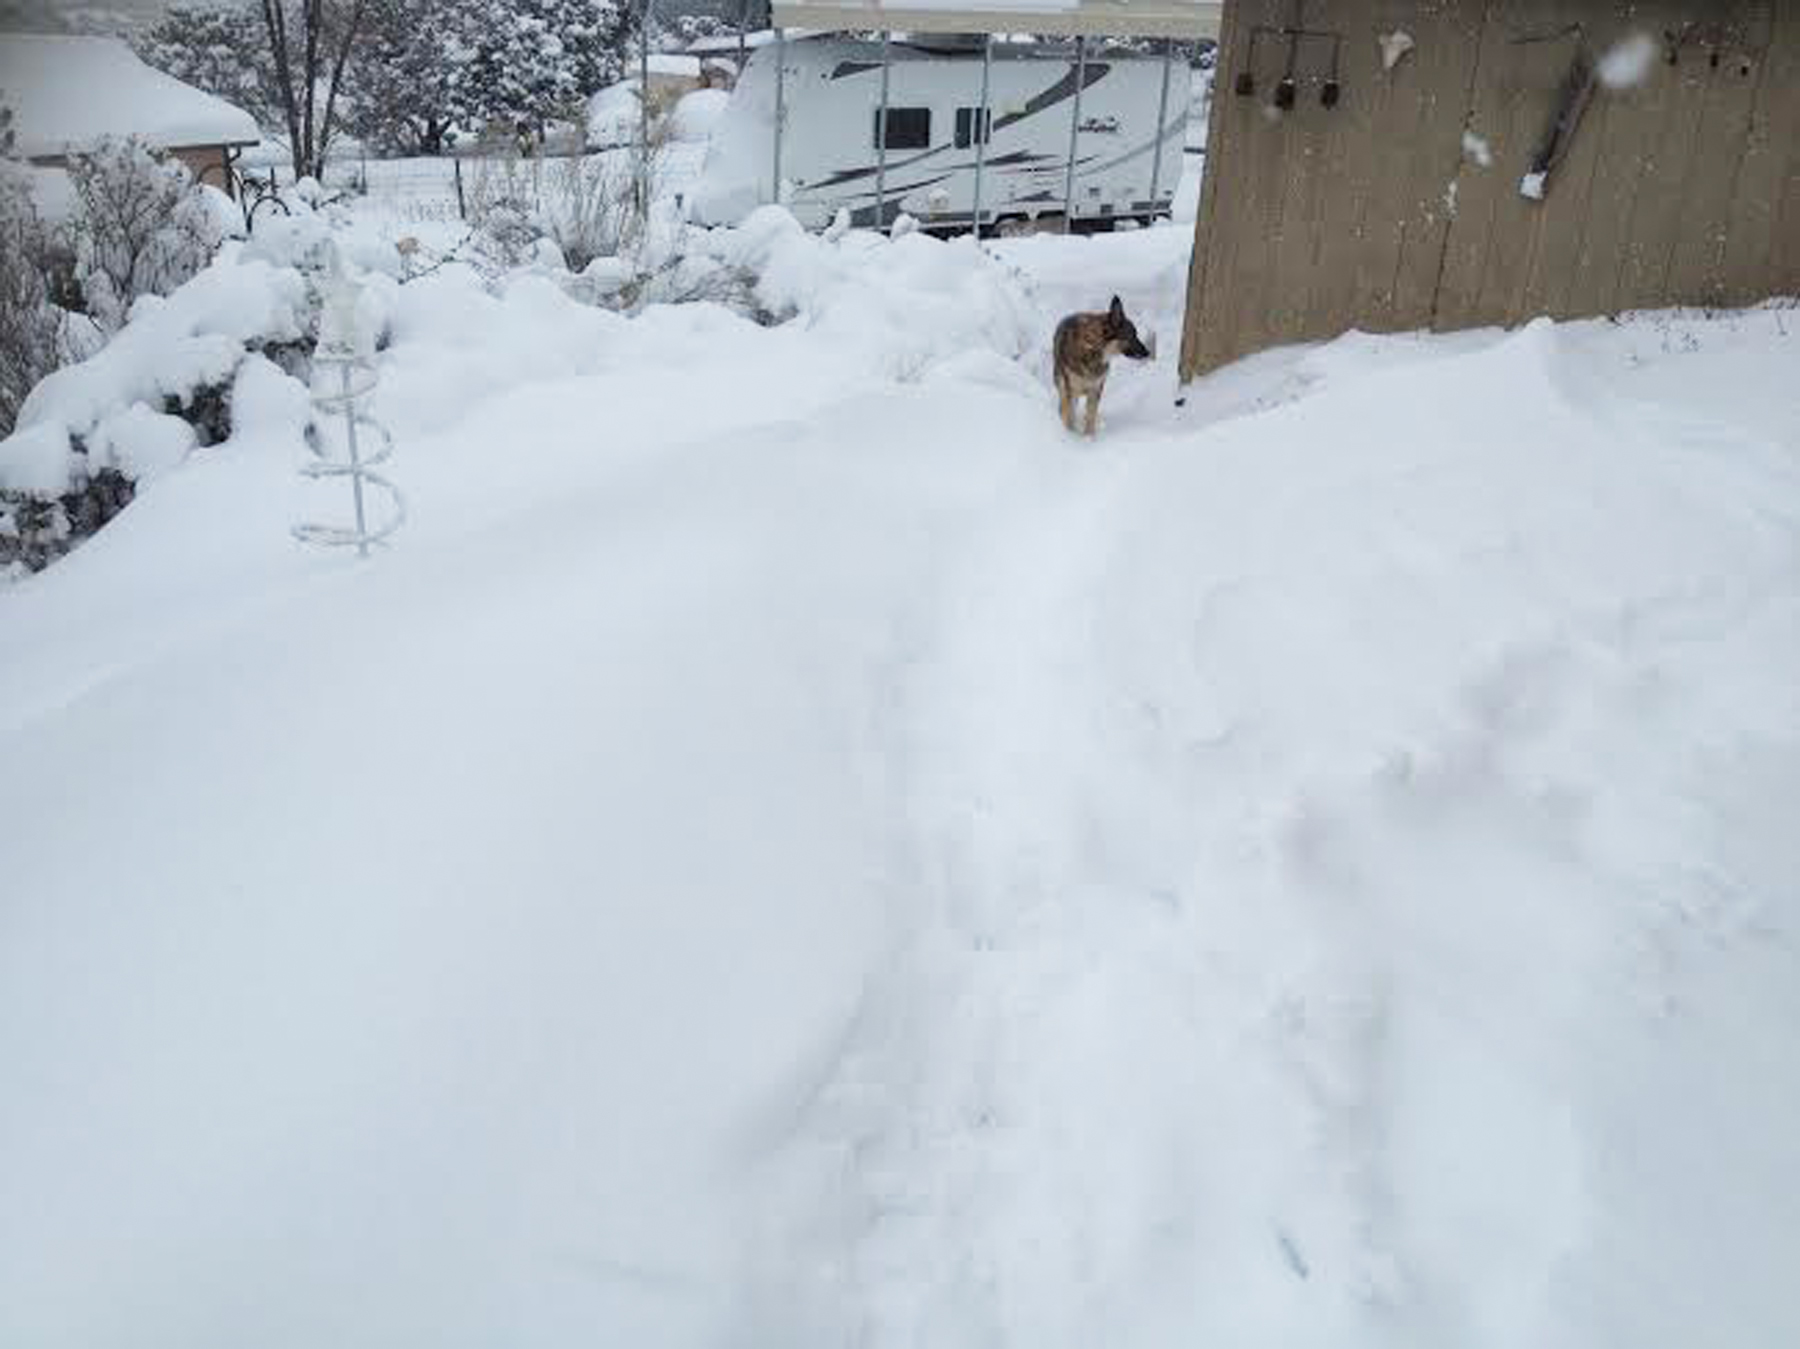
<point>791,849</point>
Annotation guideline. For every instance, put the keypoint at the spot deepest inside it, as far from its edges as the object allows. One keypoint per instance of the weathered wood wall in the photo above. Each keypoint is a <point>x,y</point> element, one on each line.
<point>1380,213</point>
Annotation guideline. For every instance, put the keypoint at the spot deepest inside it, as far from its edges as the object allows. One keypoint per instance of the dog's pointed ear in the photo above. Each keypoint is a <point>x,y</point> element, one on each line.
<point>1117,311</point>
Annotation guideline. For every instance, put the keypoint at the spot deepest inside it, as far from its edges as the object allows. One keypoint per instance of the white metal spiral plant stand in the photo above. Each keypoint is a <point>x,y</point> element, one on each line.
<point>344,376</point>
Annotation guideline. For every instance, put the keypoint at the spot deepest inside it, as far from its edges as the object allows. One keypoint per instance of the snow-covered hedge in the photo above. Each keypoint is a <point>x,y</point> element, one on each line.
<point>180,374</point>
<point>177,376</point>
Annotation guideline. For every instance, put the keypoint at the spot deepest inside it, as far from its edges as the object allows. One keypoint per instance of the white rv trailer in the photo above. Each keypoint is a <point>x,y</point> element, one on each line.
<point>830,158</point>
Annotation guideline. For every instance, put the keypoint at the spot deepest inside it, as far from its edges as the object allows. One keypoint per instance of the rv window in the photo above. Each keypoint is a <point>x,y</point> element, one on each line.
<point>966,124</point>
<point>907,128</point>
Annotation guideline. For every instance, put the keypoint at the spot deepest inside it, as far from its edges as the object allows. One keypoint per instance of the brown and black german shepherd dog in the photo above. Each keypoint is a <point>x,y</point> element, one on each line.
<point>1084,345</point>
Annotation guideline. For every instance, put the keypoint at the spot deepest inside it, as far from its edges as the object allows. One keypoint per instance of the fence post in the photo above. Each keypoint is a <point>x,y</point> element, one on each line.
<point>881,140</point>
<point>462,209</point>
<point>1074,133</point>
<point>980,129</point>
<point>1162,114</point>
<point>643,148</point>
<point>780,106</point>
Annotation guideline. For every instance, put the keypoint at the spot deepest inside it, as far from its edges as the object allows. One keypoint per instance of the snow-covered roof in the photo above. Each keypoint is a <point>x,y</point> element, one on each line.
<point>674,63</point>
<point>1114,18</point>
<point>69,92</point>
<point>727,43</point>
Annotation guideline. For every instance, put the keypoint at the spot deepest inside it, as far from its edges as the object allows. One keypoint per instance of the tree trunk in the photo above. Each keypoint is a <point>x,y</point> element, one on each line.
<point>312,14</point>
<point>275,22</point>
<point>346,40</point>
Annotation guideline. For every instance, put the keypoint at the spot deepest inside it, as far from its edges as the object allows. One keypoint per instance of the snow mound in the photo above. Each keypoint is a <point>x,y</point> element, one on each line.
<point>139,442</point>
<point>678,65</point>
<point>38,460</point>
<point>695,116</point>
<point>613,116</point>
<point>904,303</point>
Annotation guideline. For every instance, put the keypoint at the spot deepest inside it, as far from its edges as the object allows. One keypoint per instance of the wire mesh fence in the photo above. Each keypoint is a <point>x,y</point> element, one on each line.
<point>413,190</point>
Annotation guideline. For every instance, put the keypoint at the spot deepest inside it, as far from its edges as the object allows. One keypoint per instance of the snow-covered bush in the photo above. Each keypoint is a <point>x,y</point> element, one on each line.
<point>31,327</point>
<point>593,207</point>
<point>589,206</point>
<point>142,226</point>
<point>909,303</point>
<point>502,206</point>
<point>173,379</point>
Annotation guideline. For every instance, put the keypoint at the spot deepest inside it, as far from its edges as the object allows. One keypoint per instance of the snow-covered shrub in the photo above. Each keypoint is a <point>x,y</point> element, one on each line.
<point>590,206</point>
<point>593,205</point>
<point>31,327</point>
<point>37,334</point>
<point>909,303</point>
<point>142,226</point>
<point>502,207</point>
<point>170,381</point>
<point>35,531</point>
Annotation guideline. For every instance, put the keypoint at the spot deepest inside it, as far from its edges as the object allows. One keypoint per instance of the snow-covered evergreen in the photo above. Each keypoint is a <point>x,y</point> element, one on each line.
<point>404,81</point>
<point>221,48</point>
<point>526,64</point>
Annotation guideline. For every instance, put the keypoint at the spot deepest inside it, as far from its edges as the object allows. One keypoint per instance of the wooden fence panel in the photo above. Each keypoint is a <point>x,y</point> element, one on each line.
<point>1765,211</point>
<point>1491,238</point>
<point>1681,189</point>
<point>1631,130</point>
<point>1231,228</point>
<point>1694,273</point>
<point>1424,149</point>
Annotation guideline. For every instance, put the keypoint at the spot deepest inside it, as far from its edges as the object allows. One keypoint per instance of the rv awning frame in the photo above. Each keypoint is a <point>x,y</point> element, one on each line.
<point>1183,19</point>
<point>1172,20</point>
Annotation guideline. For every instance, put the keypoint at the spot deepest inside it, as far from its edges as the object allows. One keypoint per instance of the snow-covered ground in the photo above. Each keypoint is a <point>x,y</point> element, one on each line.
<point>791,848</point>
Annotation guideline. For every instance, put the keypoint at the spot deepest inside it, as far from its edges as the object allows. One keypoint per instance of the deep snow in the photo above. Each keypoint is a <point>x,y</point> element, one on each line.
<point>790,848</point>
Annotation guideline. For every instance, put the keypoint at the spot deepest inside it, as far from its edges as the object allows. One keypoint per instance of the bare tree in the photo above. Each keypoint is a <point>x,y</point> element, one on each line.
<point>310,41</point>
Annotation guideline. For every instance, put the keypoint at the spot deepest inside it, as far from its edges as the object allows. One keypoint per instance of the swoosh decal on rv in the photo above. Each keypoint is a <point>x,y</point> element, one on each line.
<point>842,176</point>
<point>1056,93</point>
<point>851,175</point>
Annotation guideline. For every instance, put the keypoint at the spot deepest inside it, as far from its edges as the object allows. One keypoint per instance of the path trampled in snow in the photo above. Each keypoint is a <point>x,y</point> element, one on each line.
<point>781,854</point>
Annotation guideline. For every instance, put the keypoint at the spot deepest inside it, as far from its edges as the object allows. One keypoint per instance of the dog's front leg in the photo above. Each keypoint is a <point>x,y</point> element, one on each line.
<point>1093,408</point>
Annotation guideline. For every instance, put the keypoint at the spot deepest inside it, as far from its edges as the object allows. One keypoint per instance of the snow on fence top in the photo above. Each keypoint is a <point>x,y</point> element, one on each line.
<point>726,44</point>
<point>67,93</point>
<point>1114,18</point>
<point>674,63</point>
